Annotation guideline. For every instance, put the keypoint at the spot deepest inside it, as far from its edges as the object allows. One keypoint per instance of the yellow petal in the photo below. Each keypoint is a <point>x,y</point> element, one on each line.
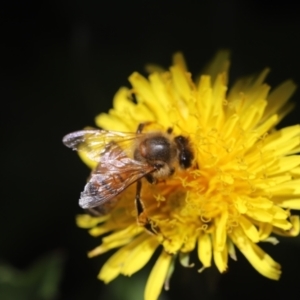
<point>284,164</point>
<point>282,137</point>
<point>247,85</point>
<point>250,119</point>
<point>87,221</point>
<point>261,261</point>
<point>294,231</point>
<point>127,232</point>
<point>218,98</point>
<point>182,83</point>
<point>283,224</point>
<point>205,249</point>
<point>139,255</point>
<point>231,250</point>
<point>221,259</point>
<point>241,205</point>
<point>204,99</point>
<point>113,122</point>
<point>291,187</point>
<point>143,89</point>
<point>249,229</point>
<point>230,126</point>
<point>99,230</point>
<point>266,125</point>
<point>157,276</point>
<point>220,235</point>
<point>178,59</point>
<point>104,247</point>
<point>261,202</point>
<point>290,203</point>
<point>265,230</point>
<point>121,101</point>
<point>84,157</point>
<point>259,214</point>
<point>219,64</point>
<point>279,97</point>
<point>112,268</point>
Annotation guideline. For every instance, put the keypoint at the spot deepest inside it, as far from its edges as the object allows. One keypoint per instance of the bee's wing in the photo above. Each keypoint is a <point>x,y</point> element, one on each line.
<point>96,142</point>
<point>115,172</point>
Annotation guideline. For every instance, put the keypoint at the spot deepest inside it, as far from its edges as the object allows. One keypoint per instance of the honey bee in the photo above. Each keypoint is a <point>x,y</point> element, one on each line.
<point>125,158</point>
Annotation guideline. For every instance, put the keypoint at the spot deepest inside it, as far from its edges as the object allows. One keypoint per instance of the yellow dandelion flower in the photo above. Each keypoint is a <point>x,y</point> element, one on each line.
<point>239,190</point>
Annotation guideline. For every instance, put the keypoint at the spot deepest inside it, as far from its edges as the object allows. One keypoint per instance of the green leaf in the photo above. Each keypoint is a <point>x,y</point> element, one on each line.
<point>39,282</point>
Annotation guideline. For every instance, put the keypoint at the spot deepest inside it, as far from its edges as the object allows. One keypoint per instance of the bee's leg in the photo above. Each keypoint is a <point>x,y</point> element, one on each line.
<point>93,212</point>
<point>142,218</point>
<point>142,126</point>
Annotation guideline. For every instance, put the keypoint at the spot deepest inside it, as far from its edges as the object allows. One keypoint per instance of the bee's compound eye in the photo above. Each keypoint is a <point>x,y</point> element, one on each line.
<point>185,159</point>
<point>186,155</point>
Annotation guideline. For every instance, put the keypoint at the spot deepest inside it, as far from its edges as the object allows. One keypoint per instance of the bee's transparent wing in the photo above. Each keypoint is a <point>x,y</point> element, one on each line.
<point>96,142</point>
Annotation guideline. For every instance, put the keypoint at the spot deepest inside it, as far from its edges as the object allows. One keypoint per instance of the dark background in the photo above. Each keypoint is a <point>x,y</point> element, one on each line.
<point>62,63</point>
